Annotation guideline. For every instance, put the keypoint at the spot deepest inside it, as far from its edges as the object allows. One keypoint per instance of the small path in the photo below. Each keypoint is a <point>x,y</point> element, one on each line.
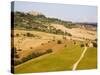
<point>82,55</point>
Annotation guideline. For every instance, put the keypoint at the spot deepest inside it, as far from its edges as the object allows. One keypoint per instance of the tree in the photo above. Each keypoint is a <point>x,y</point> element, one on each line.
<point>94,44</point>
<point>59,42</point>
<point>29,35</point>
<point>49,50</point>
<point>16,56</point>
<point>66,33</point>
<point>17,35</point>
<point>82,45</point>
<point>17,62</point>
<point>95,40</point>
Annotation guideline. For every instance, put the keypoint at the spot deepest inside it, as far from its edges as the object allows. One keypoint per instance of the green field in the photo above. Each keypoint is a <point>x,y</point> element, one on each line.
<point>90,60</point>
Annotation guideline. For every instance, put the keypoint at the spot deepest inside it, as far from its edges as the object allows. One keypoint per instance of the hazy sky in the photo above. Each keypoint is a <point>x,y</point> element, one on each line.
<point>75,13</point>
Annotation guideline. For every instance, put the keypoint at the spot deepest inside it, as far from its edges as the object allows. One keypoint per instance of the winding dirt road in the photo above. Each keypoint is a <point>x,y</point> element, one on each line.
<point>82,55</point>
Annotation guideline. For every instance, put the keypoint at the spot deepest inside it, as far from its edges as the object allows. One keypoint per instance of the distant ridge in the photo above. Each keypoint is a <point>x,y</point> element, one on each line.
<point>34,20</point>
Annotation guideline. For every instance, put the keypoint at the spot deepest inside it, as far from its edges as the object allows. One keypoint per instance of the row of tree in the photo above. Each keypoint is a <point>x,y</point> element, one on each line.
<point>33,55</point>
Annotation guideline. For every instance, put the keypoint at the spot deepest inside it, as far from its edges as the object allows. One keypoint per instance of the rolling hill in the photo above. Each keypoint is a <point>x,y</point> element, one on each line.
<point>43,44</point>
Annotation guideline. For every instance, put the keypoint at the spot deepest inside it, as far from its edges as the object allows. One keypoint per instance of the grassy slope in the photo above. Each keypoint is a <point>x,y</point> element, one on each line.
<point>61,60</point>
<point>90,59</point>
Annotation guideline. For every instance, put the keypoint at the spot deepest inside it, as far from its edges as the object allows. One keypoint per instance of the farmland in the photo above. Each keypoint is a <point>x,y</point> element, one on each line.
<point>61,60</point>
<point>41,44</point>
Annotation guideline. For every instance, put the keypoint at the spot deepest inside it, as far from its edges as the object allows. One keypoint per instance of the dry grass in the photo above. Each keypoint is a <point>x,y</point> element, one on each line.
<point>77,32</point>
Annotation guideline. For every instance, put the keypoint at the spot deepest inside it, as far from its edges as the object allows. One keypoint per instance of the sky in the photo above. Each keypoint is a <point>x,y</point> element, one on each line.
<point>67,12</point>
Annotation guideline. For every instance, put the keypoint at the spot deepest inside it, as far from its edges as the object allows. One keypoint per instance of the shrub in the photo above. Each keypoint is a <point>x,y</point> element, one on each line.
<point>95,40</point>
<point>69,34</point>
<point>65,45</point>
<point>94,44</point>
<point>17,35</point>
<point>42,43</point>
<point>59,31</point>
<point>48,41</point>
<point>66,33</point>
<point>17,62</point>
<point>82,45</point>
<point>87,45</point>
<point>33,55</point>
<point>29,35</point>
<point>59,42</point>
<point>49,50</point>
<point>31,48</point>
<point>24,59</point>
<point>53,40</point>
<point>16,56</point>
<point>24,34</point>
<point>74,42</point>
<point>19,50</point>
<point>64,38</point>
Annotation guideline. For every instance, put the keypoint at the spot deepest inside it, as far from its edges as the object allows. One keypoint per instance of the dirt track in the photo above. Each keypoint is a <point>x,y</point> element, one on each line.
<point>81,57</point>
